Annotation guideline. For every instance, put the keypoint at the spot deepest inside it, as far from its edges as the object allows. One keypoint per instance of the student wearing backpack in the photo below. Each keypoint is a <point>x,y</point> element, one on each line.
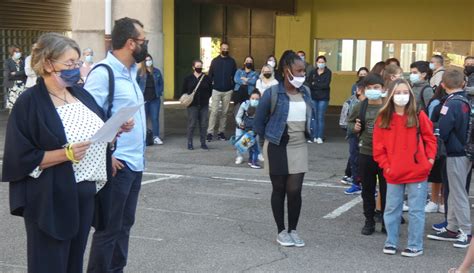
<point>420,74</point>
<point>405,148</point>
<point>455,131</point>
<point>436,204</point>
<point>283,119</point>
<point>352,170</point>
<point>245,119</point>
<point>361,122</point>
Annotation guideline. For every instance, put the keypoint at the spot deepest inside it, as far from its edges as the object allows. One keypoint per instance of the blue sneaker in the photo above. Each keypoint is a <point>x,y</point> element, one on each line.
<point>354,189</point>
<point>440,227</point>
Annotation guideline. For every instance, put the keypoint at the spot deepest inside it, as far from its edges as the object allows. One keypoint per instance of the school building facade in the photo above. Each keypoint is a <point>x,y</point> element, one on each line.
<point>349,33</point>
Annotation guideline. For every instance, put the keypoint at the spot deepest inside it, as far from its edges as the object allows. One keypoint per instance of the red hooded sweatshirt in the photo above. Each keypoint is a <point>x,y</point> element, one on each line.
<point>395,149</point>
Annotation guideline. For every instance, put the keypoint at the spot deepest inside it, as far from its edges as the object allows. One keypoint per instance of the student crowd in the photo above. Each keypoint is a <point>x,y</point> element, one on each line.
<point>402,134</point>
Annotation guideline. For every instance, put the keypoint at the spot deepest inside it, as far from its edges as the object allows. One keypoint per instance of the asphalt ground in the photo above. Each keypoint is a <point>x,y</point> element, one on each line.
<point>199,212</point>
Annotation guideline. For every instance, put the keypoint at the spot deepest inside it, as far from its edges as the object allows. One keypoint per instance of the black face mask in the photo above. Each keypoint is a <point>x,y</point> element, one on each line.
<point>249,65</point>
<point>198,70</point>
<point>225,53</point>
<point>267,75</point>
<point>468,70</point>
<point>140,54</point>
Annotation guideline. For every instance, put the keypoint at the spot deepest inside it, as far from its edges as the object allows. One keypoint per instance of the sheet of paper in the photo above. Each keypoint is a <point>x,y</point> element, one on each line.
<point>108,132</point>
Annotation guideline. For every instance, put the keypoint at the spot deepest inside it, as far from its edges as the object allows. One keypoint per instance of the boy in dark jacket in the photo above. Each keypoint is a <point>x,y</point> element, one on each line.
<point>453,127</point>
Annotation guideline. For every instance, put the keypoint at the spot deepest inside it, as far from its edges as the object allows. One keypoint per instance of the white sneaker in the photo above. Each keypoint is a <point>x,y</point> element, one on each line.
<point>157,140</point>
<point>441,209</point>
<point>405,207</point>
<point>431,207</point>
<point>260,158</point>
<point>319,141</point>
<point>239,160</point>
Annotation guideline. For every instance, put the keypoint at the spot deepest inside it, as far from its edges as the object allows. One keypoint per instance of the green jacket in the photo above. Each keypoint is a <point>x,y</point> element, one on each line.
<point>366,136</point>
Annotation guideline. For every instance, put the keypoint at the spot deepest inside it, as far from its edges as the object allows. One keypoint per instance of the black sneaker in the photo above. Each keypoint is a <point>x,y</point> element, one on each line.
<point>368,228</point>
<point>444,235</point>
<point>463,241</point>
<point>221,136</point>
<point>209,137</point>
<point>390,250</point>
<point>190,146</point>
<point>204,146</point>
<point>411,252</point>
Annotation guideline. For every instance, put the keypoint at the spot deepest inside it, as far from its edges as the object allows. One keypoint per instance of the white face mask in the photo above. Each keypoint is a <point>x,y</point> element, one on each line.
<point>271,63</point>
<point>17,55</point>
<point>149,63</point>
<point>89,58</point>
<point>296,81</point>
<point>384,95</point>
<point>401,99</point>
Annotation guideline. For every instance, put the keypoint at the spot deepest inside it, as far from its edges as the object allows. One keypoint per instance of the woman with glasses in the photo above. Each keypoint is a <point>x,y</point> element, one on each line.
<point>53,169</point>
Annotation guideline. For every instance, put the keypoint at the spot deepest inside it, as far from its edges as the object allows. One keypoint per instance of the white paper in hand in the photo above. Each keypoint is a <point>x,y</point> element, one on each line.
<point>110,129</point>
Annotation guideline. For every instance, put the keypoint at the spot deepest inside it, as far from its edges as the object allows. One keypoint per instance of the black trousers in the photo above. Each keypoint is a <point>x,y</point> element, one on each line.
<point>198,117</point>
<point>49,255</point>
<point>369,171</point>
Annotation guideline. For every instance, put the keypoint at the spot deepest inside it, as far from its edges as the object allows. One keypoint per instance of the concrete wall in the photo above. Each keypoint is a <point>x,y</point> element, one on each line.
<point>88,23</point>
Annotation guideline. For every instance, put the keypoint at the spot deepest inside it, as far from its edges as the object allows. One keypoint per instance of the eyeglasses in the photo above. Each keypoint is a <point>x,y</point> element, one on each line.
<point>70,65</point>
<point>144,41</point>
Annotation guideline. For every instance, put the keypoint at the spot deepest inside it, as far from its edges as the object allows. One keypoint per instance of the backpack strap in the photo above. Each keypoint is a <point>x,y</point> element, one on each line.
<point>110,97</point>
<point>274,97</point>
<point>422,97</point>
<point>362,114</point>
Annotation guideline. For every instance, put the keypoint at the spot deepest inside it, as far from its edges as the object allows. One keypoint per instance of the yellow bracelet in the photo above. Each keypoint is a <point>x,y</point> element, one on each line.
<point>70,154</point>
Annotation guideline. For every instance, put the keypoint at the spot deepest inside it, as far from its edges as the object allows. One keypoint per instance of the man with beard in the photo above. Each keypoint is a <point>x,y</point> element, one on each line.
<point>109,248</point>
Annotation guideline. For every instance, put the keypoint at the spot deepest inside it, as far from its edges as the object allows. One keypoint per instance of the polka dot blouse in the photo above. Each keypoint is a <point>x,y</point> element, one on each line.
<point>80,124</point>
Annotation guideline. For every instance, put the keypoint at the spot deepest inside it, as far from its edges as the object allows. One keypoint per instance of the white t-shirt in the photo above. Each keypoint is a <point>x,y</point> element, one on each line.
<point>261,86</point>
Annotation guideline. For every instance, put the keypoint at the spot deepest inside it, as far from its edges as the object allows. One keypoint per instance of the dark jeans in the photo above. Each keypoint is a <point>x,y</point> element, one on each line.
<point>152,110</point>
<point>109,248</point>
<point>49,255</point>
<point>318,123</point>
<point>354,158</point>
<point>369,172</point>
<point>197,115</point>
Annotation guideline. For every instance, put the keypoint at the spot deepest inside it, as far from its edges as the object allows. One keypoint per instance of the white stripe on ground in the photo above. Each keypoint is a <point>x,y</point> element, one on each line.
<point>147,238</point>
<point>171,176</point>
<point>310,184</point>
<point>340,210</point>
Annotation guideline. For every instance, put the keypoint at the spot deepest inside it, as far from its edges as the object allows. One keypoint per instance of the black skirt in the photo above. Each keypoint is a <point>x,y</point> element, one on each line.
<point>436,174</point>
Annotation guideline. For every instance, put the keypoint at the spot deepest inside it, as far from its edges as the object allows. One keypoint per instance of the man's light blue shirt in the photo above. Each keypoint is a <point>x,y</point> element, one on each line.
<point>131,145</point>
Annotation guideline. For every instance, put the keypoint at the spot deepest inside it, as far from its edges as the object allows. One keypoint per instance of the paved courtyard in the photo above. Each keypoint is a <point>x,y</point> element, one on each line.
<point>199,212</point>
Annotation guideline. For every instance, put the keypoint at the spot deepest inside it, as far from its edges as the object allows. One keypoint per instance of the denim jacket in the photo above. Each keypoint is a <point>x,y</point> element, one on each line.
<point>158,82</point>
<point>272,125</point>
<point>252,79</point>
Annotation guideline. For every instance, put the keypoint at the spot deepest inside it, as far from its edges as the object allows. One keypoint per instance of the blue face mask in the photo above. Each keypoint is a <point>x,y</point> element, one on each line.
<point>373,94</point>
<point>414,78</point>
<point>70,76</point>
<point>253,103</point>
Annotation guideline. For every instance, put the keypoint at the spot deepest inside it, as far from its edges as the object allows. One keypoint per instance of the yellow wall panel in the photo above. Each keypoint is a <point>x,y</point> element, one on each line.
<point>168,42</point>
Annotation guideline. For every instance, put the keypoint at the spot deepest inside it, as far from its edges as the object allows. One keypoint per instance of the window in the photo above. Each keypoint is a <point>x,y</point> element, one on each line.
<point>454,52</point>
<point>349,55</point>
